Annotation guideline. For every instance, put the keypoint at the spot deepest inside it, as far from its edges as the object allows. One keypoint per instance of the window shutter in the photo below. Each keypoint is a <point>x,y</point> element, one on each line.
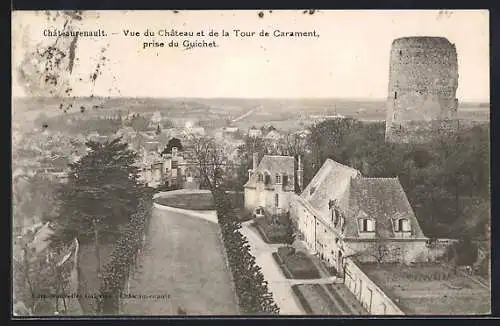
<point>267,179</point>
<point>370,225</point>
<point>395,224</point>
<point>406,225</point>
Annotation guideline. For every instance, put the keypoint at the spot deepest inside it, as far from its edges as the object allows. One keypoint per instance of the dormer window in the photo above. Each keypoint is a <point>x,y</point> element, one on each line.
<point>278,179</point>
<point>366,225</point>
<point>402,225</point>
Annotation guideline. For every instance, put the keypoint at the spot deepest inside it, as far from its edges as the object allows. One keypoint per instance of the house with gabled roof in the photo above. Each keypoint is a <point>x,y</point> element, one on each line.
<point>271,182</point>
<point>342,214</point>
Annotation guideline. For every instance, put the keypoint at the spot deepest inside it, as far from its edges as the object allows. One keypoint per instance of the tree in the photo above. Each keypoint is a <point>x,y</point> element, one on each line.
<point>292,145</point>
<point>381,251</point>
<point>158,130</point>
<point>290,233</point>
<point>463,253</point>
<point>139,123</point>
<point>101,195</point>
<point>211,159</point>
<point>441,178</point>
<point>173,142</point>
<point>41,278</point>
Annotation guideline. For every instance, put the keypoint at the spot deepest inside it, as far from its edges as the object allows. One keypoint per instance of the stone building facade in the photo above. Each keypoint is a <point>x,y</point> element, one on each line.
<point>270,185</point>
<point>342,214</point>
<point>423,80</point>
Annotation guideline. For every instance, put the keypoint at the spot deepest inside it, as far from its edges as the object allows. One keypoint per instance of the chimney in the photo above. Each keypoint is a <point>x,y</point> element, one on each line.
<point>174,151</point>
<point>255,160</point>
<point>300,174</point>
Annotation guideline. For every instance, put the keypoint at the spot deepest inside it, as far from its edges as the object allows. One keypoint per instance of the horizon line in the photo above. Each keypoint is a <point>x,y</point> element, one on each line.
<point>483,100</point>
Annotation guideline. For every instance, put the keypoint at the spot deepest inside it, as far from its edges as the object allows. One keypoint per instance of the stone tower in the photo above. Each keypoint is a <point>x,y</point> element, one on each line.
<point>423,80</point>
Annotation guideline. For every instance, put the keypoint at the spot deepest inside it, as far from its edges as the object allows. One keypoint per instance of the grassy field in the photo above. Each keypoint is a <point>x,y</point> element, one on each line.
<point>198,201</point>
<point>184,262</point>
<point>201,201</point>
<point>271,233</point>
<point>297,263</point>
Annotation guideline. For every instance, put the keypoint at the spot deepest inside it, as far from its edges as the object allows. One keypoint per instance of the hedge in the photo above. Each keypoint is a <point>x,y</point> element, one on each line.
<point>253,294</point>
<point>124,257</point>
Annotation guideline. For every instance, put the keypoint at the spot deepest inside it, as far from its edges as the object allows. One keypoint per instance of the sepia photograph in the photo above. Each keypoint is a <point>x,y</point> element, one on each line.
<point>251,163</point>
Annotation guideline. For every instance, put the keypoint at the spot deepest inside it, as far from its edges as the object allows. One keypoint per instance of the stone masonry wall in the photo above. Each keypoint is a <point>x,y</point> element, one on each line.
<point>423,80</point>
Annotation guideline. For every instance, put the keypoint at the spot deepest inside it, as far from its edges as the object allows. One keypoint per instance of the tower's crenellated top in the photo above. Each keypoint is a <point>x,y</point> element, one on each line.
<point>431,41</point>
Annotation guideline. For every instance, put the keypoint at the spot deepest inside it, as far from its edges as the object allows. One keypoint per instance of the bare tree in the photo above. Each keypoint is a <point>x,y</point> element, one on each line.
<point>292,144</point>
<point>382,251</point>
<point>41,278</point>
<point>211,160</point>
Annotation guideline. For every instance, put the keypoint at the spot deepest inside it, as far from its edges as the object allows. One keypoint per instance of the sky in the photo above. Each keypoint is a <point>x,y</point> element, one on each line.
<point>349,59</point>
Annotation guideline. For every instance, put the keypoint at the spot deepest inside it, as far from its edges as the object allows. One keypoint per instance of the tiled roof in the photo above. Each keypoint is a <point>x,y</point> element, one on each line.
<point>330,182</point>
<point>382,199</point>
<point>273,164</point>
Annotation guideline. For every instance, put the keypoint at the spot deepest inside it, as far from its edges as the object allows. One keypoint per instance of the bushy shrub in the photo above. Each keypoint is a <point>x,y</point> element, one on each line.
<point>275,233</point>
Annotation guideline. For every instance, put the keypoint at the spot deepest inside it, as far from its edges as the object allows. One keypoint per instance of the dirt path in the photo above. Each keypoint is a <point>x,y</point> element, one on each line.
<point>182,267</point>
<point>279,285</point>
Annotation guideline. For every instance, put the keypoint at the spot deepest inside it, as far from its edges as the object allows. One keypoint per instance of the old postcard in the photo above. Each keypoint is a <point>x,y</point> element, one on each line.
<point>300,162</point>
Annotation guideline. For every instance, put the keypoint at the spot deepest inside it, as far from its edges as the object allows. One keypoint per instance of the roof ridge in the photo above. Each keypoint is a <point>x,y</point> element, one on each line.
<point>340,164</point>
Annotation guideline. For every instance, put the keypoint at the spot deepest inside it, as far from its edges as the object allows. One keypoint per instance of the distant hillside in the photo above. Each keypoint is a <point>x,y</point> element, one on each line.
<point>274,111</point>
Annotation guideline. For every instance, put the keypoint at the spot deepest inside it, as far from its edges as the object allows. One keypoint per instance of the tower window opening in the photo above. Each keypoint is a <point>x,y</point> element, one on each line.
<point>395,95</point>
